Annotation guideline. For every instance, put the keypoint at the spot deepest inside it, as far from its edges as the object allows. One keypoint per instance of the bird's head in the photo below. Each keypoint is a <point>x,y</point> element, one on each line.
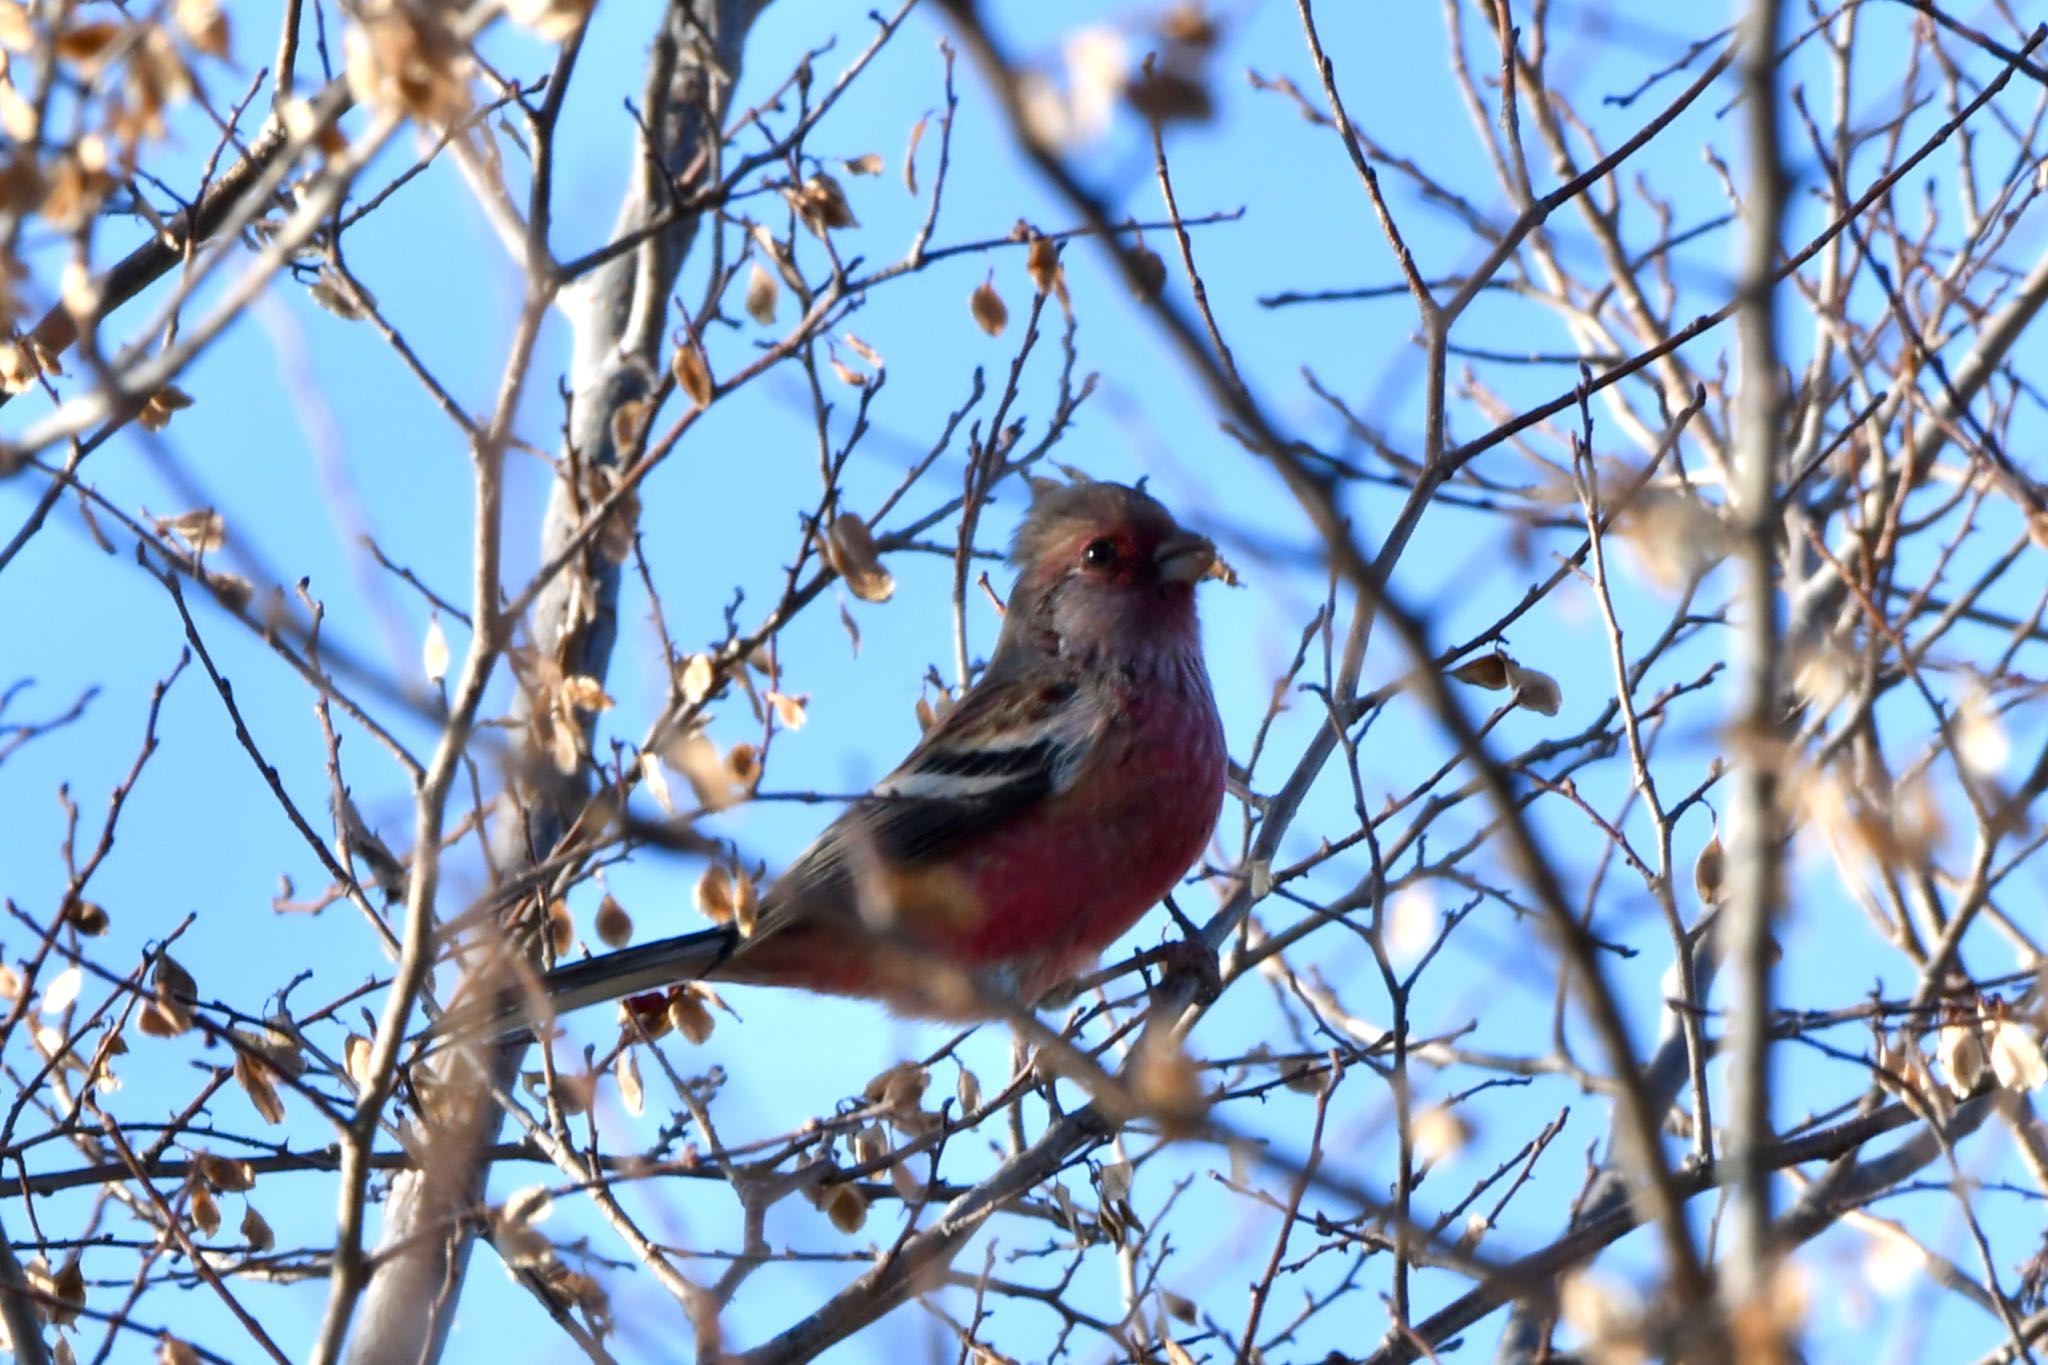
<point>1104,568</point>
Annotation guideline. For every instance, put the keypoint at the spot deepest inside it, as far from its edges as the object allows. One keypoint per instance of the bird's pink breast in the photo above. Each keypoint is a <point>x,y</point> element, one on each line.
<point>1058,885</point>
<point>1052,886</point>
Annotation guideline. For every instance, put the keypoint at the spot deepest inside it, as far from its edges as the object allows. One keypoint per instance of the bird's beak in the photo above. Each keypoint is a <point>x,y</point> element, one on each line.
<point>1184,557</point>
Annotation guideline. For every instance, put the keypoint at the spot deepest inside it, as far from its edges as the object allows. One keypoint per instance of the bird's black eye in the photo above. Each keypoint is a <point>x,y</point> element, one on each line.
<point>1100,554</point>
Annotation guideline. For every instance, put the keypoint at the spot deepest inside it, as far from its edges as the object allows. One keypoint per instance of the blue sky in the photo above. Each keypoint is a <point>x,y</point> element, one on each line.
<point>306,435</point>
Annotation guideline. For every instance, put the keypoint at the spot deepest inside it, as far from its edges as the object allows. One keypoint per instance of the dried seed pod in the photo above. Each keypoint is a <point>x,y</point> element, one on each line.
<point>968,1089</point>
<point>434,652</point>
<point>695,678</point>
<point>1709,871</point>
<point>561,927</point>
<point>256,1231</point>
<point>847,1207</point>
<point>355,1060</point>
<point>821,205</point>
<point>203,529</point>
<point>158,407</point>
<point>989,311</point>
<point>1042,261</point>
<point>1536,691</point>
<point>910,154</point>
<point>614,926</point>
<point>204,1210</point>
<point>746,904</point>
<point>1150,273</point>
<point>850,550</point>
<point>693,371</point>
<point>714,895</point>
<point>689,1015</point>
<point>87,917</point>
<point>2015,1056</point>
<point>1439,1133</point>
<point>900,1088</point>
<point>763,291</point>
<point>1959,1048</point>
<point>632,1095</point>
<point>1489,671</point>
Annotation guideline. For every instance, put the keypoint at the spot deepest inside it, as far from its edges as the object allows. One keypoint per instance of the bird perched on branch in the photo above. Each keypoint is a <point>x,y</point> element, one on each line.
<point>1064,795</point>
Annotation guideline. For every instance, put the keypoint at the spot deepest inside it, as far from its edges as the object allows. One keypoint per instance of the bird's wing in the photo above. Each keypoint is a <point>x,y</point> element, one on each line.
<point>1009,744</point>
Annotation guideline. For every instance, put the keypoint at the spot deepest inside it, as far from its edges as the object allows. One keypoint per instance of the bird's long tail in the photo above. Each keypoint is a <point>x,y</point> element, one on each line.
<point>629,971</point>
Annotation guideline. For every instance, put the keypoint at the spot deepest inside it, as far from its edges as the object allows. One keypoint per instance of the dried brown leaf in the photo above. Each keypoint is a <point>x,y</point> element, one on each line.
<point>1188,25</point>
<point>1150,272</point>
<point>1439,1133</point>
<point>632,1095</point>
<point>87,45</point>
<point>714,895</point>
<point>968,1088</point>
<point>763,291</point>
<point>224,1175</point>
<point>1042,261</point>
<point>1165,1081</point>
<point>341,295</point>
<point>204,1211</point>
<point>1536,691</point>
<point>2015,1056</point>
<point>863,350</point>
<point>789,711</point>
<point>158,407</point>
<point>561,927</point>
<point>552,21</point>
<point>1959,1049</point>
<point>203,529</point>
<point>910,154</point>
<point>355,1060</point>
<point>693,371</point>
<point>1166,95</point>
<point>899,1089</point>
<point>746,904</point>
<point>989,311</point>
<point>847,1207</point>
<point>1490,671</point>
<point>614,926</point>
<point>1673,535</point>
<point>17,33</point>
<point>1709,871</point>
<point>406,58</point>
<point>255,1082</point>
<point>64,1291</point>
<point>821,205</point>
<point>256,1231</point>
<point>629,424</point>
<point>696,678</point>
<point>204,26</point>
<point>585,693</point>
<point>434,652</point>
<point>655,779</point>
<point>850,550</point>
<point>689,1015</point>
<point>62,991</point>
<point>158,1019</point>
<point>87,917</point>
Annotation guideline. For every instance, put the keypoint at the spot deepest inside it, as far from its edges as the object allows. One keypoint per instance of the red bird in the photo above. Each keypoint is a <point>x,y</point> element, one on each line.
<point>1065,794</point>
